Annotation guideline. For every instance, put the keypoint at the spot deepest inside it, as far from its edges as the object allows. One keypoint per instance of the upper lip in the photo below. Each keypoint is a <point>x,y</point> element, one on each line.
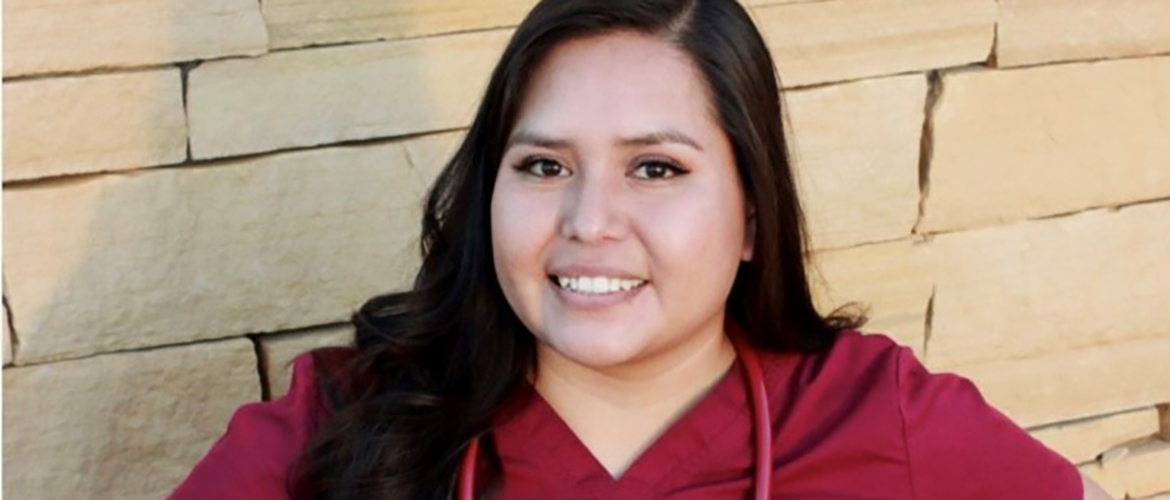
<point>592,270</point>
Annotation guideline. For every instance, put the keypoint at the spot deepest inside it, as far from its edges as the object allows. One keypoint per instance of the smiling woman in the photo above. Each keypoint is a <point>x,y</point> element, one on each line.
<point>613,303</point>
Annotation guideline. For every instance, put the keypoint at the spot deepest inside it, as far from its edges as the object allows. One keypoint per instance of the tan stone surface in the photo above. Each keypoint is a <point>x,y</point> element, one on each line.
<point>1083,439</point>
<point>71,35</point>
<point>1088,280</point>
<point>892,279</point>
<point>321,96</point>
<point>163,256</point>
<point>93,123</point>
<point>855,149</point>
<point>297,23</point>
<point>825,41</point>
<point>280,349</point>
<point>1140,473</point>
<point>1048,140</point>
<point>1064,384</point>
<point>7,339</point>
<point>1039,31</point>
<point>125,425</point>
<point>1164,420</point>
<point>430,154</point>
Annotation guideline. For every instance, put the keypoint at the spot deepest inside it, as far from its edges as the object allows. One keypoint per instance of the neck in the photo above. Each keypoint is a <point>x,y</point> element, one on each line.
<point>617,411</point>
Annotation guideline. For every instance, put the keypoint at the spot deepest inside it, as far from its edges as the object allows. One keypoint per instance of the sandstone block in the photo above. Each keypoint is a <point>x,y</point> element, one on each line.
<point>1083,281</point>
<point>892,279</point>
<point>125,425</point>
<point>1039,31</point>
<point>7,339</point>
<point>430,154</point>
<point>297,23</point>
<point>834,40</point>
<point>1064,384</point>
<point>1164,421</point>
<point>280,349</point>
<point>1083,439</point>
<point>1013,137</point>
<point>94,123</point>
<point>73,35</point>
<point>1140,473</point>
<point>855,150</point>
<point>321,96</point>
<point>171,255</point>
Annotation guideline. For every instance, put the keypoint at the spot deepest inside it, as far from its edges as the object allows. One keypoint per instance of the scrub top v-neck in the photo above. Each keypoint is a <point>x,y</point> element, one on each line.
<point>864,420</point>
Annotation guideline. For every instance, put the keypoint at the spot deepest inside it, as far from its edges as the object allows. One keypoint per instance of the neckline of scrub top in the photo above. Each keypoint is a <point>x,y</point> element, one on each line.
<point>534,437</point>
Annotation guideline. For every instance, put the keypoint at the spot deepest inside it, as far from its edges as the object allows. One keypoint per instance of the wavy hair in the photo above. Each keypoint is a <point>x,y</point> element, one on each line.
<point>430,367</point>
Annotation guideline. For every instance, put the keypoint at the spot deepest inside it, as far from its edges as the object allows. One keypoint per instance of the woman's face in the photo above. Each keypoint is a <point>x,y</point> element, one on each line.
<point>618,218</point>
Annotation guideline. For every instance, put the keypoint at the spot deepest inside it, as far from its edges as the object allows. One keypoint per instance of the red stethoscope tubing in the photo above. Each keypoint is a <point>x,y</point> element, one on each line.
<point>761,419</point>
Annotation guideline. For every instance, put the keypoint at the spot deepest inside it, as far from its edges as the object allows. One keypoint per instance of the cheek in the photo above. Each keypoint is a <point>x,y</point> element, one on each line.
<point>696,236</point>
<point>521,229</point>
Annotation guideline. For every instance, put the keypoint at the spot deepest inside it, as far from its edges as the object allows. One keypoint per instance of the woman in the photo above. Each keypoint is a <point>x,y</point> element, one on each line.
<point>613,304</point>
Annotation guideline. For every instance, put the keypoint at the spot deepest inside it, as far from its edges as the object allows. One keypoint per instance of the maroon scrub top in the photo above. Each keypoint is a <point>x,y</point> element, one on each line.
<point>864,420</point>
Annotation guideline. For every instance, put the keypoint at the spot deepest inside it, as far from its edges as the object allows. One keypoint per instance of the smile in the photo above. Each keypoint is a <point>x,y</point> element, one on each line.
<point>596,285</point>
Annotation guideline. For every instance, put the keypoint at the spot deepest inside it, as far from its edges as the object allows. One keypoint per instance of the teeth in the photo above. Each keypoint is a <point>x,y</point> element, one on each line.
<point>597,284</point>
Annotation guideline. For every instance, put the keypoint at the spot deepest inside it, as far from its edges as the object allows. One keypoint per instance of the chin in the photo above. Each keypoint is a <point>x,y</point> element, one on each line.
<point>597,346</point>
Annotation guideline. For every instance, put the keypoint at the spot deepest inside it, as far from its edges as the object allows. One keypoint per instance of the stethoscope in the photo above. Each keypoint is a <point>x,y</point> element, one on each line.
<point>762,428</point>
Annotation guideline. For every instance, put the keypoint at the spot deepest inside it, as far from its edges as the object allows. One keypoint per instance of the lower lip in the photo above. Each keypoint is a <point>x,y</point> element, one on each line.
<point>593,302</point>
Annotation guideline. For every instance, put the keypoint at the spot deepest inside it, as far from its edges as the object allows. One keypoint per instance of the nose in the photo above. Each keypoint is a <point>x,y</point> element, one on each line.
<point>593,211</point>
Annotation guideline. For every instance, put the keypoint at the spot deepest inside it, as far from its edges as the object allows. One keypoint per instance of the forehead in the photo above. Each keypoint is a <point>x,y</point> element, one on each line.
<point>621,82</point>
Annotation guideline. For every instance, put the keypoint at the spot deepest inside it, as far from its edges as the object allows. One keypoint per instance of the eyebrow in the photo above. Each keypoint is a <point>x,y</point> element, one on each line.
<point>649,139</point>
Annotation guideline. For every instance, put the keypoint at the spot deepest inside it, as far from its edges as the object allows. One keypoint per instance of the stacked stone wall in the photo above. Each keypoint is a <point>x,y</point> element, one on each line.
<point>197,190</point>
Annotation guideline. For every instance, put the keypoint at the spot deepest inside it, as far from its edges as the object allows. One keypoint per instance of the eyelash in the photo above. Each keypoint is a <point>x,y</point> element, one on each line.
<point>525,166</point>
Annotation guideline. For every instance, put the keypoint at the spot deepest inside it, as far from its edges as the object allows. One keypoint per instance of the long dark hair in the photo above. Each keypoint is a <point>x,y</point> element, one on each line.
<point>430,367</point>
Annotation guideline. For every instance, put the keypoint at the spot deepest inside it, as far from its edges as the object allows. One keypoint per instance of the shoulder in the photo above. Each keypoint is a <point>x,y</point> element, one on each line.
<point>870,391</point>
<point>855,357</point>
<point>262,440</point>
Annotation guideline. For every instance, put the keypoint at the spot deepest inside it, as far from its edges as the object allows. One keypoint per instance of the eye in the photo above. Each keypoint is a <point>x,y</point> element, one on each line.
<point>657,169</point>
<point>542,167</point>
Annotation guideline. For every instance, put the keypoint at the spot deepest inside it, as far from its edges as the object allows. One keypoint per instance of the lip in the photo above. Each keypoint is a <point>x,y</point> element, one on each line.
<point>594,302</point>
<point>577,270</point>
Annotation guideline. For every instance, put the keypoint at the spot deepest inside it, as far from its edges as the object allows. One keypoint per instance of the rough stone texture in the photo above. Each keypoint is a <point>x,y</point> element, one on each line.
<point>321,96</point>
<point>824,41</point>
<point>1140,472</point>
<point>7,339</point>
<point>1048,140</point>
<point>94,123</point>
<point>1082,440</point>
<point>297,23</point>
<point>1065,384</point>
<point>1164,420</point>
<point>124,425</point>
<point>855,149</point>
<point>1038,31</point>
<point>300,23</point>
<point>1039,287</point>
<point>892,279</point>
<point>163,256</point>
<point>429,154</point>
<point>279,351</point>
<point>71,35</point>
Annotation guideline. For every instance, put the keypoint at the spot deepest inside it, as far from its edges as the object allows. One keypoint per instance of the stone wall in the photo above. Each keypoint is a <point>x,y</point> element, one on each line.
<point>197,190</point>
